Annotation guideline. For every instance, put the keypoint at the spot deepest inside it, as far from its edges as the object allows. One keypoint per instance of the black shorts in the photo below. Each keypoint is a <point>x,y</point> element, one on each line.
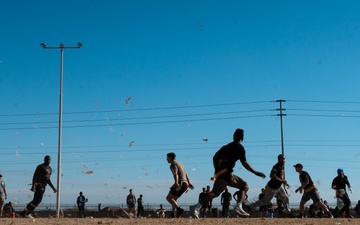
<point>180,191</point>
<point>313,195</point>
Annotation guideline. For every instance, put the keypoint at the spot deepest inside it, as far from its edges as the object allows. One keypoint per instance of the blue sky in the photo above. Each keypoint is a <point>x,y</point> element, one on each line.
<point>191,70</point>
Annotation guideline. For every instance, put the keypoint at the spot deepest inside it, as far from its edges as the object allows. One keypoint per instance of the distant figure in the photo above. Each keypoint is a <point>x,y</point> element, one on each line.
<point>131,201</point>
<point>161,212</point>
<point>310,191</point>
<point>209,204</point>
<point>181,184</point>
<point>224,162</point>
<point>225,202</point>
<point>276,186</point>
<point>262,208</point>
<point>339,184</point>
<point>3,195</point>
<point>41,178</point>
<point>140,211</point>
<point>81,205</point>
<point>99,207</point>
<point>270,209</point>
<point>8,210</point>
<point>204,206</point>
<point>357,207</point>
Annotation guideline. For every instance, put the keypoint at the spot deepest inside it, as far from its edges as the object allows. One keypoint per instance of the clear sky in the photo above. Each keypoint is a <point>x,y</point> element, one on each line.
<point>162,76</point>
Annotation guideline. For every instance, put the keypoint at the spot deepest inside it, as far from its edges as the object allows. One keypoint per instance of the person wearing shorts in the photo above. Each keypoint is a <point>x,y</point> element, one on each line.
<point>310,192</point>
<point>181,184</point>
<point>131,201</point>
<point>224,162</point>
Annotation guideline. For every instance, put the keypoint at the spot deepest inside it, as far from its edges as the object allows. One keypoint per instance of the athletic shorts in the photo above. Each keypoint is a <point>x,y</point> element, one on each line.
<point>313,195</point>
<point>230,180</point>
<point>180,191</point>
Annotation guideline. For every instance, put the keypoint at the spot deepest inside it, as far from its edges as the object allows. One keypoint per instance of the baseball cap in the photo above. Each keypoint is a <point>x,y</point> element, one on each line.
<point>340,170</point>
<point>298,165</point>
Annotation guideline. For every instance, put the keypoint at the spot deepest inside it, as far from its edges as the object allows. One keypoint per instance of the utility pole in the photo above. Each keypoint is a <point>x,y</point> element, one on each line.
<point>61,47</point>
<point>281,124</point>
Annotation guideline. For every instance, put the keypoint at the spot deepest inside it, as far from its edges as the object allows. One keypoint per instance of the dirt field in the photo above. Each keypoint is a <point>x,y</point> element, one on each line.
<point>187,221</point>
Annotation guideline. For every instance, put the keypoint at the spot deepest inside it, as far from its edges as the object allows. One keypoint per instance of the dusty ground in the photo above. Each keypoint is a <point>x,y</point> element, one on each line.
<point>187,221</point>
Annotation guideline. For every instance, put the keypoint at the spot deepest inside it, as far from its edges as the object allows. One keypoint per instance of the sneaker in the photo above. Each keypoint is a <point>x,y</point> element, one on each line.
<point>29,216</point>
<point>194,212</point>
<point>179,212</point>
<point>330,215</point>
<point>241,212</point>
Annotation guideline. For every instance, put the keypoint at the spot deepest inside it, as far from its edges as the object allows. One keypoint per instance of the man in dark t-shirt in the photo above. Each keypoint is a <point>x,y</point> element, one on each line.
<point>40,180</point>
<point>276,186</point>
<point>339,184</point>
<point>310,191</point>
<point>225,202</point>
<point>224,161</point>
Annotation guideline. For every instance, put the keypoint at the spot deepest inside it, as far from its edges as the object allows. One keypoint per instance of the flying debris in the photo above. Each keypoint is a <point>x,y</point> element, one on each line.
<point>145,171</point>
<point>84,166</point>
<point>131,143</point>
<point>90,172</point>
<point>127,101</point>
<point>205,139</point>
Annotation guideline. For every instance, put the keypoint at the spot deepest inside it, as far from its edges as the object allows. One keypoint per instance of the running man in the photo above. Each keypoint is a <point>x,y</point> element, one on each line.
<point>181,184</point>
<point>310,191</point>
<point>224,162</point>
<point>339,184</point>
<point>276,186</point>
<point>41,178</point>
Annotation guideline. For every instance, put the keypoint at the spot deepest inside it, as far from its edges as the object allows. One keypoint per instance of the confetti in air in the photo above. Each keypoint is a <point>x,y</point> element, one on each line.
<point>127,101</point>
<point>131,143</point>
<point>205,139</point>
<point>145,171</point>
<point>84,166</point>
<point>90,172</point>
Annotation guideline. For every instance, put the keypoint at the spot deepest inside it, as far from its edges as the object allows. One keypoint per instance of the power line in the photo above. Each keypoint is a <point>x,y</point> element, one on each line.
<point>317,115</point>
<point>318,101</point>
<point>136,123</point>
<point>139,118</point>
<point>140,109</point>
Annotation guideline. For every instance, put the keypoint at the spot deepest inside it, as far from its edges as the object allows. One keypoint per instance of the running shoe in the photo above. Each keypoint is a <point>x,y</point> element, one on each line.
<point>239,210</point>
<point>195,212</point>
